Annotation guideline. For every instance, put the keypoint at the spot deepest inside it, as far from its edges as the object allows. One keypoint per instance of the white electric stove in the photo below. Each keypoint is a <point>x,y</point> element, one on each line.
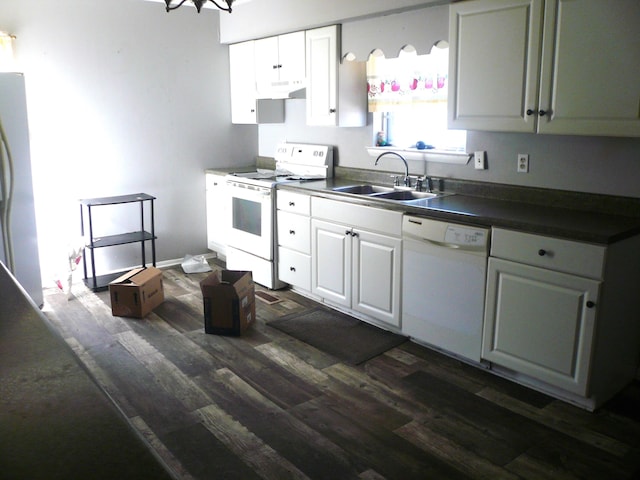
<point>252,234</point>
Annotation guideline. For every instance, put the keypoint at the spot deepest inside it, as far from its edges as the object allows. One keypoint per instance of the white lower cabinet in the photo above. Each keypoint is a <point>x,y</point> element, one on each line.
<point>376,276</point>
<point>331,260</point>
<point>294,239</point>
<point>557,314</point>
<point>354,266</point>
<point>217,213</point>
<point>541,323</point>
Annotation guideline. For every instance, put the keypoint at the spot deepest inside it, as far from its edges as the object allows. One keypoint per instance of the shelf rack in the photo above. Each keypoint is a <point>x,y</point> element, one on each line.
<point>101,282</point>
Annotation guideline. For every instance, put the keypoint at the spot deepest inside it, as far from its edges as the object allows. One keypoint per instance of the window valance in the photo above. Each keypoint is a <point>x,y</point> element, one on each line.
<point>410,79</point>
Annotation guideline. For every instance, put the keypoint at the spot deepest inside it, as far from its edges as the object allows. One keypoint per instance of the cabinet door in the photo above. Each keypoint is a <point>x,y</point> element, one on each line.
<point>377,276</point>
<point>591,68</point>
<point>266,63</point>
<point>245,107</point>
<point>493,64</point>
<point>291,55</point>
<point>280,64</point>
<point>217,213</point>
<point>322,66</point>
<point>243,87</point>
<point>540,323</point>
<point>331,262</point>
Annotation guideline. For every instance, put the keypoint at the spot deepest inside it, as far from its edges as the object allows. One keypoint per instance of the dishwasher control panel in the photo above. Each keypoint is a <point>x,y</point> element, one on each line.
<point>464,237</point>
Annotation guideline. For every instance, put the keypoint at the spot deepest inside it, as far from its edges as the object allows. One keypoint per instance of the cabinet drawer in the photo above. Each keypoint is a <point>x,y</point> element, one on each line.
<point>293,202</point>
<point>294,268</point>
<point>584,259</point>
<point>358,216</point>
<point>294,231</point>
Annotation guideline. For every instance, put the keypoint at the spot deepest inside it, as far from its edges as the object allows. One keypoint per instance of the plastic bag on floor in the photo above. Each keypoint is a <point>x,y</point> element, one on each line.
<point>195,264</point>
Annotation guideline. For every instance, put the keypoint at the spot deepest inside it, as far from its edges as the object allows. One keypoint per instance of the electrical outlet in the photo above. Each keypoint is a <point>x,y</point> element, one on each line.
<point>523,163</point>
<point>478,159</point>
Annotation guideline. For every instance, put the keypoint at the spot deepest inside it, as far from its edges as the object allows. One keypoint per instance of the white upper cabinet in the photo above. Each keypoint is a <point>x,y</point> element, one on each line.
<point>245,108</point>
<point>242,83</point>
<point>322,76</point>
<point>336,92</point>
<point>590,75</point>
<point>280,64</point>
<point>493,63</point>
<point>560,66</point>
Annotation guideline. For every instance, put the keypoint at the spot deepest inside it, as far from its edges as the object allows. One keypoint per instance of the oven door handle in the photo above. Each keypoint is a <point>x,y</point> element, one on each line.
<point>248,191</point>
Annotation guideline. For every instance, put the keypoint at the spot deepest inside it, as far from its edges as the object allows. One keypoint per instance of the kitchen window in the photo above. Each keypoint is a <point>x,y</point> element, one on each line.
<point>408,99</point>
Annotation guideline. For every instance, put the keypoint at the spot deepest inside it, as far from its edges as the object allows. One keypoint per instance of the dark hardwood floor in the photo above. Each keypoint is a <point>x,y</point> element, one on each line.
<point>265,405</point>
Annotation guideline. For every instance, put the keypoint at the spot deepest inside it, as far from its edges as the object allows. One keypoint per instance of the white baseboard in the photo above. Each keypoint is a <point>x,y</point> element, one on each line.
<point>163,264</point>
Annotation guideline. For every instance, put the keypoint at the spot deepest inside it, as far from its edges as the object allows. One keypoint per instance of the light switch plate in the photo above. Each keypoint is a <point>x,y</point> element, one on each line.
<point>479,161</point>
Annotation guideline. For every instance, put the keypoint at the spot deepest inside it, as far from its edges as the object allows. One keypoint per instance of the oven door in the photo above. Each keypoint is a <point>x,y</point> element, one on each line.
<point>252,211</point>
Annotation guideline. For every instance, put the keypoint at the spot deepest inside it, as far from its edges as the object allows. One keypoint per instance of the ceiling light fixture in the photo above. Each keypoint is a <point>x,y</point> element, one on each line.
<point>198,4</point>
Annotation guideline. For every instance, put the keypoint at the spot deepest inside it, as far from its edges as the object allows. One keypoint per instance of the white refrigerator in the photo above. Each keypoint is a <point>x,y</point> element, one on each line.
<point>19,239</point>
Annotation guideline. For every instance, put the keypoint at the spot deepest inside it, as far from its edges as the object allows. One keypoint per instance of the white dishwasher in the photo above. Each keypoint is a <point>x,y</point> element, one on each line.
<point>443,277</point>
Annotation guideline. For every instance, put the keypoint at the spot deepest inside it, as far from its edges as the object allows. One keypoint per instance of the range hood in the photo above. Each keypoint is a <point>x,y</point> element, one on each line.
<point>282,90</point>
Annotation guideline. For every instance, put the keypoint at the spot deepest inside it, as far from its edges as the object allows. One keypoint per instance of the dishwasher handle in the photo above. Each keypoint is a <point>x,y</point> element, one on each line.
<point>442,244</point>
<point>445,234</point>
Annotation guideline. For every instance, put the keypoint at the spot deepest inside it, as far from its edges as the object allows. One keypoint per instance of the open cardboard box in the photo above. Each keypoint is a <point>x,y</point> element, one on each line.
<point>136,293</point>
<point>229,302</point>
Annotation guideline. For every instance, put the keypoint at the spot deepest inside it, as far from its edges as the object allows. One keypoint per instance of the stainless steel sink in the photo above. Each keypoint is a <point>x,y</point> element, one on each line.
<point>363,189</point>
<point>405,195</point>
<point>400,195</point>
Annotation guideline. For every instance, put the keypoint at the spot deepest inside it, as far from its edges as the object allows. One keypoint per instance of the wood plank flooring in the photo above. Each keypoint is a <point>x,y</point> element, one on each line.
<point>267,406</point>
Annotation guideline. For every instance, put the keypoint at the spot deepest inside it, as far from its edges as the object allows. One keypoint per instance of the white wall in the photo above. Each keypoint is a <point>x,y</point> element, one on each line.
<point>604,165</point>
<point>124,98</point>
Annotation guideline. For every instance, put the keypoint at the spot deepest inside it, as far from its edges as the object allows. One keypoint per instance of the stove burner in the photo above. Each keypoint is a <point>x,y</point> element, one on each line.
<point>294,163</point>
<point>273,176</point>
<point>299,178</point>
<point>267,175</point>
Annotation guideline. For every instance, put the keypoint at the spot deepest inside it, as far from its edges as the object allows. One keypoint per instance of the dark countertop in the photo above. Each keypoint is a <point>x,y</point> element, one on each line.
<point>600,227</point>
<point>229,170</point>
<point>566,223</point>
<point>55,422</point>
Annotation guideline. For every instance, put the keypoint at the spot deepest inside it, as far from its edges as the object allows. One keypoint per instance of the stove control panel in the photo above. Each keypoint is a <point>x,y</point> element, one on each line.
<point>283,150</point>
<point>305,159</point>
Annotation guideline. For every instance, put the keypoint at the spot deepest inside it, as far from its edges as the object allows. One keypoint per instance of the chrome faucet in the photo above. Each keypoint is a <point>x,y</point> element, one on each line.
<point>407,180</point>
<point>421,183</point>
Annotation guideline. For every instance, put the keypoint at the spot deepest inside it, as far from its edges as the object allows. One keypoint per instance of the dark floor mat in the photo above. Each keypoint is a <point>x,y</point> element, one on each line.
<point>338,334</point>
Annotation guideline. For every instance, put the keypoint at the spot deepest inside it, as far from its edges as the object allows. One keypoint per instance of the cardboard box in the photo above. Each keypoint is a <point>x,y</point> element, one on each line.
<point>137,292</point>
<point>229,302</point>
